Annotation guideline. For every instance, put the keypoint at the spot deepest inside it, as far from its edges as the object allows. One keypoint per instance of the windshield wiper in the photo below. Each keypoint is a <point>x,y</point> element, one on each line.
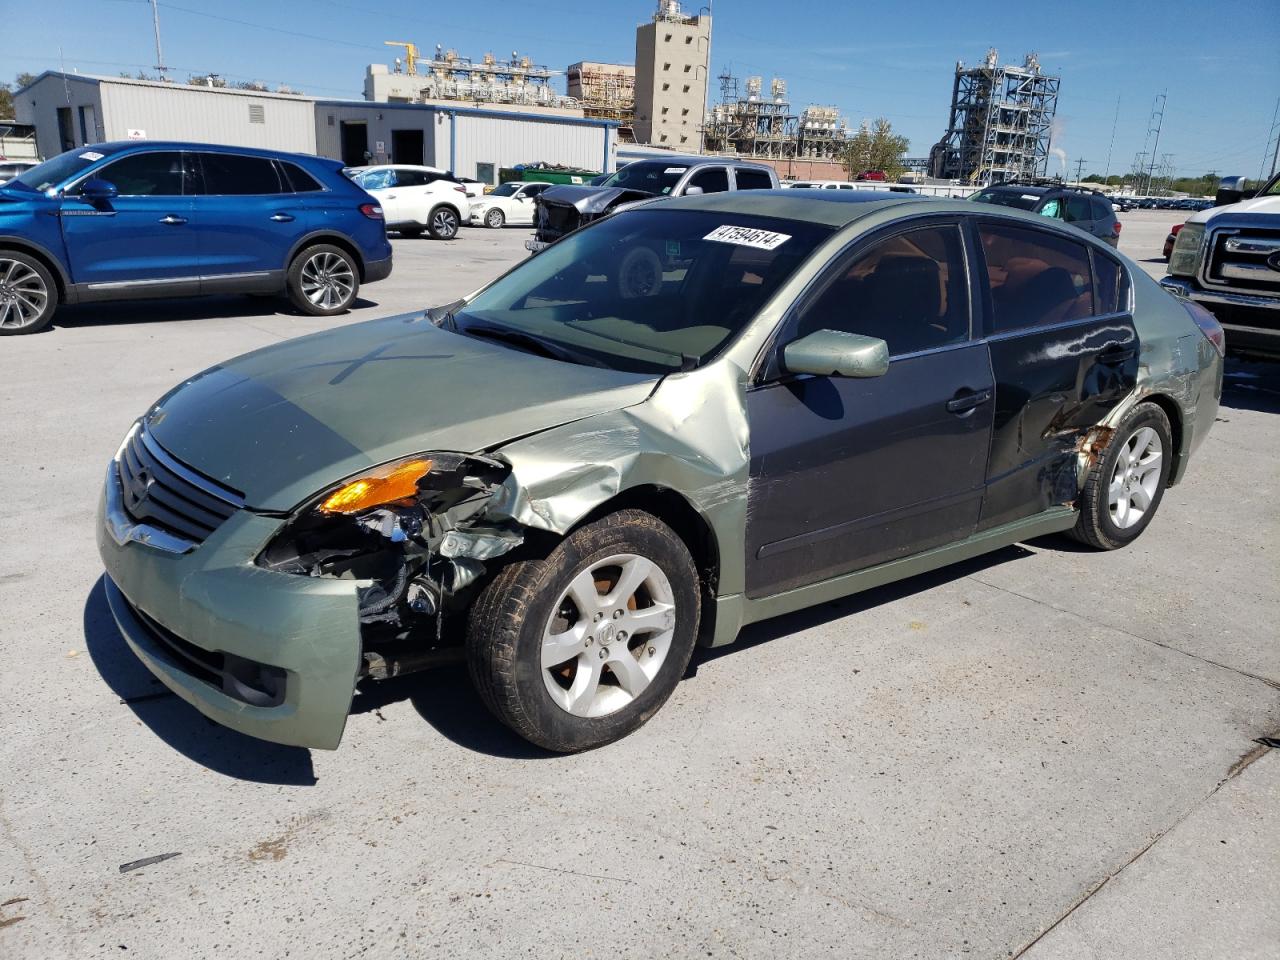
<point>527,342</point>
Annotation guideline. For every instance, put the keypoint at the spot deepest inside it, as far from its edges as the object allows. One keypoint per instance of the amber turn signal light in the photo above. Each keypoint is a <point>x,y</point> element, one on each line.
<point>395,481</point>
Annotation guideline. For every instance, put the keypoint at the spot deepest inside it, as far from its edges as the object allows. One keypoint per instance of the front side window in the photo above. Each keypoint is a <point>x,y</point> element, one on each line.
<point>1035,277</point>
<point>1051,208</point>
<point>229,174</point>
<point>414,178</point>
<point>711,180</point>
<point>753,180</point>
<point>158,174</point>
<point>648,291</point>
<point>1078,209</point>
<point>58,170</point>
<point>909,290</point>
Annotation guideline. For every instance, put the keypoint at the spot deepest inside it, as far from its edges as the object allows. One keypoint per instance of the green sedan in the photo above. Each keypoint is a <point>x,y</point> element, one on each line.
<point>690,416</point>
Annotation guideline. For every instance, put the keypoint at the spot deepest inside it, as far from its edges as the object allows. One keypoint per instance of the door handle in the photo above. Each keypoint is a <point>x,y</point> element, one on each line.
<point>173,220</point>
<point>388,196</point>
<point>966,401</point>
<point>282,218</point>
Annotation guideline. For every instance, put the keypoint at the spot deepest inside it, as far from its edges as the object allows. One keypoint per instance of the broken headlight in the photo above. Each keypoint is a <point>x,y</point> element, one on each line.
<point>413,530</point>
<point>1188,250</point>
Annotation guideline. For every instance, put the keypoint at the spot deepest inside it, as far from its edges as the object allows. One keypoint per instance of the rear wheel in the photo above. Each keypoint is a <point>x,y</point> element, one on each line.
<point>323,280</point>
<point>28,295</point>
<point>495,218</point>
<point>443,223</point>
<point>1126,484</point>
<point>580,649</point>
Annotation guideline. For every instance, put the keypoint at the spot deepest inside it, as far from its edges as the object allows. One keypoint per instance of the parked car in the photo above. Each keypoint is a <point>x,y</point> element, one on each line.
<point>1122,204</point>
<point>474,188</point>
<point>11,168</point>
<point>878,175</point>
<point>693,432</point>
<point>1227,258</point>
<point>1089,211</point>
<point>511,203</point>
<point>1171,239</point>
<point>563,209</point>
<point>416,199</point>
<point>119,221</point>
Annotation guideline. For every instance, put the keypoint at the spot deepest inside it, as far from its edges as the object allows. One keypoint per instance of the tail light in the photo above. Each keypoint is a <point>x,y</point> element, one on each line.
<point>1210,327</point>
<point>461,189</point>
<point>371,210</point>
<point>1116,228</point>
<point>1176,229</point>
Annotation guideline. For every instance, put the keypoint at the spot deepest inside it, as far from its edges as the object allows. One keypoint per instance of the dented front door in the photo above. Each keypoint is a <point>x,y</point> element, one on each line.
<point>1064,352</point>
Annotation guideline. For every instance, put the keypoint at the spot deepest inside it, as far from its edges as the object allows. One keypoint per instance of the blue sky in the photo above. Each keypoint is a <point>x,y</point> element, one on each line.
<point>893,60</point>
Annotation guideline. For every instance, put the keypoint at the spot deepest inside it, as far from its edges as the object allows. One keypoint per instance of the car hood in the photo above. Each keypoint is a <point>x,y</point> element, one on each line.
<point>591,199</point>
<point>283,423</point>
<point>1258,205</point>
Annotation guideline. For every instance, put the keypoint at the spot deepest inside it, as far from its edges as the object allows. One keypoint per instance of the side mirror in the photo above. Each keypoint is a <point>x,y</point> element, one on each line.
<point>1230,190</point>
<point>693,191</point>
<point>832,353</point>
<point>95,189</point>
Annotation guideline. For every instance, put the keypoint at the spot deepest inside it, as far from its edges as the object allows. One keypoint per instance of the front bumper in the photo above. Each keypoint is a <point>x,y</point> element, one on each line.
<point>375,270</point>
<point>197,619</point>
<point>1252,321</point>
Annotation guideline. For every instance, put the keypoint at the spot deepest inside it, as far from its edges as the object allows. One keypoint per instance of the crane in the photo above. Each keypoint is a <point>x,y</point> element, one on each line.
<point>410,55</point>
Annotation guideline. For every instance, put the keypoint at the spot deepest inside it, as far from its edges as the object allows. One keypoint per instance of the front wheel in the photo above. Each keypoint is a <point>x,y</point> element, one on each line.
<point>443,223</point>
<point>1126,483</point>
<point>323,280</point>
<point>28,296</point>
<point>495,218</point>
<point>580,649</point>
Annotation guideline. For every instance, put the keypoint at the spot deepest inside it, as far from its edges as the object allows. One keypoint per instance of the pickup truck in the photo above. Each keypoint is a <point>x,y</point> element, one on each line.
<point>1227,259</point>
<point>563,209</point>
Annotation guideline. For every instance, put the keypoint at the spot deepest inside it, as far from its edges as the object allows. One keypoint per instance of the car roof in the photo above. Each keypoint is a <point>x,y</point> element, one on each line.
<point>123,146</point>
<point>834,208</point>
<point>1037,189</point>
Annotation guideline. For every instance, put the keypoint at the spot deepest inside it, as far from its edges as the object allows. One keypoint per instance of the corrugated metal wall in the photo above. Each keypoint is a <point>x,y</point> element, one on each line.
<point>176,112</point>
<point>507,141</point>
<point>381,120</point>
<point>39,104</point>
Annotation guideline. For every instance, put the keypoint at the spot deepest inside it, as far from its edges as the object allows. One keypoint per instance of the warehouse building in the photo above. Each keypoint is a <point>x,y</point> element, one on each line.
<point>69,110</point>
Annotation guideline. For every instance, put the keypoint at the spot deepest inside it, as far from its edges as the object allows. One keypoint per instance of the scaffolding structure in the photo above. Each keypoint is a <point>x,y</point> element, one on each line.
<point>1000,122</point>
<point>605,91</point>
<point>448,76</point>
<point>768,127</point>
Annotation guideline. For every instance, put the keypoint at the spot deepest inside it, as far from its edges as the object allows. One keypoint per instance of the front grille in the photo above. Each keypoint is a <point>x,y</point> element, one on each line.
<point>1246,258</point>
<point>555,220</point>
<point>159,490</point>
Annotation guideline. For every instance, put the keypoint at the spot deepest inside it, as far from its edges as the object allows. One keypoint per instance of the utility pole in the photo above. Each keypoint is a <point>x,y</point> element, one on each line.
<point>1153,127</point>
<point>155,22</point>
<point>1080,167</point>
<point>1115,122</point>
<point>1272,134</point>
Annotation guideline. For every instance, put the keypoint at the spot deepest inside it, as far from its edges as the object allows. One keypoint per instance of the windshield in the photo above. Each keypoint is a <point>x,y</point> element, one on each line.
<point>506,190</point>
<point>649,291</point>
<point>652,176</point>
<point>58,170</point>
<point>1008,198</point>
<point>1272,189</point>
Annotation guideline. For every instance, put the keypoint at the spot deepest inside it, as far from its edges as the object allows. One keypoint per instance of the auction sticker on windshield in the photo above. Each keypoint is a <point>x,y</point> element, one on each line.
<point>748,237</point>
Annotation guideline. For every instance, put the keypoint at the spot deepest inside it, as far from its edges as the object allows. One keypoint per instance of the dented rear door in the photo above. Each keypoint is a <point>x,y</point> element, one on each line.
<point>1064,352</point>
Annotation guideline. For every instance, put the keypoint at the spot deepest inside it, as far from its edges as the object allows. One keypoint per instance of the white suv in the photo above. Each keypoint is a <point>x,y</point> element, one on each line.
<point>414,199</point>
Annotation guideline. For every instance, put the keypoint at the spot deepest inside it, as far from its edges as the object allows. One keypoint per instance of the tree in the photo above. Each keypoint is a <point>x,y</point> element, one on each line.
<point>6,101</point>
<point>876,147</point>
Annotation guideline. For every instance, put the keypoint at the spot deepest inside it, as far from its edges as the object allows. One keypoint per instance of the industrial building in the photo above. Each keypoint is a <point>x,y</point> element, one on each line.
<point>71,110</point>
<point>768,128</point>
<point>673,52</point>
<point>517,84</point>
<point>1000,122</point>
<point>605,91</point>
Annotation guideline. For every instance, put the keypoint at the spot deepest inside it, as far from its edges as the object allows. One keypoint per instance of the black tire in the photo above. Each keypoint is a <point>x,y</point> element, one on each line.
<point>409,233</point>
<point>639,274</point>
<point>1096,526</point>
<point>507,623</point>
<point>494,219</point>
<point>443,222</point>
<point>318,261</point>
<point>28,294</point>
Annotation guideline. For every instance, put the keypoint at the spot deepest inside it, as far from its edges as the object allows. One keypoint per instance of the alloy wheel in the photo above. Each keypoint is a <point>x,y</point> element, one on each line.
<point>1135,479</point>
<point>608,635</point>
<point>494,218</point>
<point>23,294</point>
<point>327,280</point>
<point>445,224</point>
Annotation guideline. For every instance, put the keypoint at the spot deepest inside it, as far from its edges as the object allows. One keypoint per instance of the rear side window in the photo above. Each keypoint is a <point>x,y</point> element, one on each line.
<point>753,180</point>
<point>299,179</point>
<point>1102,208</point>
<point>415,178</point>
<point>711,180</point>
<point>1035,277</point>
<point>910,290</point>
<point>229,174</point>
<point>146,175</point>
<point>1078,208</point>
<point>1113,292</point>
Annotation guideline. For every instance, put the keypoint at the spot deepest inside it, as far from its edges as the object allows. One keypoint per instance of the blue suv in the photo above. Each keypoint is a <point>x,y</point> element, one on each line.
<point>117,221</point>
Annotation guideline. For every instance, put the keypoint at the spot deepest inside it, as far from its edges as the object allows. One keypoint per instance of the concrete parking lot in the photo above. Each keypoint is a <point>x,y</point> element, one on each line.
<point>1043,753</point>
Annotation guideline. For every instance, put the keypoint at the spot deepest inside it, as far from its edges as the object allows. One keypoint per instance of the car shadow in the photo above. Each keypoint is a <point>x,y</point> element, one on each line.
<point>176,722</point>
<point>1251,385</point>
<point>119,313</point>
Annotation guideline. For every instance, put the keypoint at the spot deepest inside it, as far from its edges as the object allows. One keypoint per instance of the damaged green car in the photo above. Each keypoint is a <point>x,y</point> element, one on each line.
<point>679,420</point>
